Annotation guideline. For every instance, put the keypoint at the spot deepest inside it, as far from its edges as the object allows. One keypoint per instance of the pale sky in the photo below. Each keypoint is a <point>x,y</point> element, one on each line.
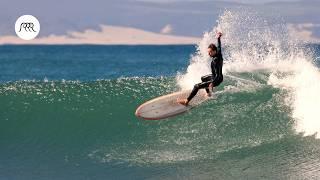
<point>187,18</point>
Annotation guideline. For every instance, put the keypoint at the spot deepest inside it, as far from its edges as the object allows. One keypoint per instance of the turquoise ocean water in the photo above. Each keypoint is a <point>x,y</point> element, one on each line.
<point>67,112</point>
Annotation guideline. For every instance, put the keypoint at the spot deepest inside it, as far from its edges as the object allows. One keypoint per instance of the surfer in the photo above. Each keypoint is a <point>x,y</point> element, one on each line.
<point>211,80</point>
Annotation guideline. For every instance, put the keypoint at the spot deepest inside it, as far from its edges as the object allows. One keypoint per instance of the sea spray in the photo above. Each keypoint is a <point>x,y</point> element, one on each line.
<point>304,95</point>
<point>255,43</point>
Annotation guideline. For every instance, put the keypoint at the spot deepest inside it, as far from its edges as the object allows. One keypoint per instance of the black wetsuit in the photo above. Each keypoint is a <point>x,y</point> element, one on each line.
<point>215,78</point>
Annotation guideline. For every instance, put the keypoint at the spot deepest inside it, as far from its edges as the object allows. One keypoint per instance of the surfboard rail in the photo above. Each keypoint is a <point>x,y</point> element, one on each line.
<point>166,106</point>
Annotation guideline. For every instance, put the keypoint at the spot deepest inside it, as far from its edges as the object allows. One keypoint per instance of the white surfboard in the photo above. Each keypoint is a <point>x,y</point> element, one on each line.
<point>167,106</point>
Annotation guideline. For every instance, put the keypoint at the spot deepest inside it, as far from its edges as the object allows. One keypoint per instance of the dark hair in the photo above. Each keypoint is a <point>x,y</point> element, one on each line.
<point>213,47</point>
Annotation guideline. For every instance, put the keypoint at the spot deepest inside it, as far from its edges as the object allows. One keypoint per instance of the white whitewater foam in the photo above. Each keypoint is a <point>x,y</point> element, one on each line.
<point>252,42</point>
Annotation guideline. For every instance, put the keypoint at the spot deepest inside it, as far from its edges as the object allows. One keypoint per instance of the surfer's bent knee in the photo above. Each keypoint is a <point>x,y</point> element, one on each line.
<point>206,78</point>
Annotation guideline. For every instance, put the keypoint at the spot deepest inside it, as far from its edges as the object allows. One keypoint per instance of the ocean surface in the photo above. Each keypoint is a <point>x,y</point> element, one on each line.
<point>67,112</point>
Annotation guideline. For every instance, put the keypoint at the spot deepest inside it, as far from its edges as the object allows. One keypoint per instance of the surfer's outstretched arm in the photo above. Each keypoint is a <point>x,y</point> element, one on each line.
<point>217,66</point>
<point>219,42</point>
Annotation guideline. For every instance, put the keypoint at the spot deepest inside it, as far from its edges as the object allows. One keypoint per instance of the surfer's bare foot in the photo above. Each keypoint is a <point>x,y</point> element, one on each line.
<point>183,102</point>
<point>208,94</point>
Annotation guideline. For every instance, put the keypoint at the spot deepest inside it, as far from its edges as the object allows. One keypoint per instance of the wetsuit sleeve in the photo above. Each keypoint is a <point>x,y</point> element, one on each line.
<point>217,68</point>
<point>219,46</point>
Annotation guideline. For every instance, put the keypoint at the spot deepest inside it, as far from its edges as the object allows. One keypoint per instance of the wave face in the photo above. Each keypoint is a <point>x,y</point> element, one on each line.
<point>83,130</point>
<point>256,44</point>
<point>262,123</point>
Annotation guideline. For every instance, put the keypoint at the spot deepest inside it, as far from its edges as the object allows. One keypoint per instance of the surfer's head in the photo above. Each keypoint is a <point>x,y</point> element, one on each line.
<point>212,50</point>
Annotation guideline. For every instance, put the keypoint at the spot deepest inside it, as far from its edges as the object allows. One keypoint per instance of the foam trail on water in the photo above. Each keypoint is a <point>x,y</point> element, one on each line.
<point>253,42</point>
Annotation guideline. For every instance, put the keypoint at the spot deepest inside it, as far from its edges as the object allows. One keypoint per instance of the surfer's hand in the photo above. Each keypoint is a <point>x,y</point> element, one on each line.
<point>219,34</point>
<point>210,85</point>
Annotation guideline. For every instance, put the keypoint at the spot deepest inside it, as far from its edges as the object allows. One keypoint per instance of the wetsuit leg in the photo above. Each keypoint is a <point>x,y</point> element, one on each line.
<point>197,87</point>
<point>207,78</point>
<point>207,90</point>
<point>217,81</point>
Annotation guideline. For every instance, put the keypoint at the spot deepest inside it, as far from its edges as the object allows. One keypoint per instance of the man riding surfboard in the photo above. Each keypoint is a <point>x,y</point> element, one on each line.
<point>212,80</point>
